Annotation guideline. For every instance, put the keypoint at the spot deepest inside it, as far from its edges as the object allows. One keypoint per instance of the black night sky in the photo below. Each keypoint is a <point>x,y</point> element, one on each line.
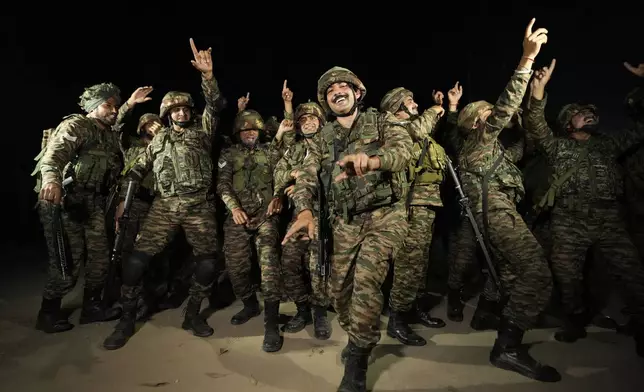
<point>50,57</point>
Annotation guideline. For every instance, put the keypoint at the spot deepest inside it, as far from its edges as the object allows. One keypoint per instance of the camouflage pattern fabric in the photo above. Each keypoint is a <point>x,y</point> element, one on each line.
<point>138,212</point>
<point>462,254</point>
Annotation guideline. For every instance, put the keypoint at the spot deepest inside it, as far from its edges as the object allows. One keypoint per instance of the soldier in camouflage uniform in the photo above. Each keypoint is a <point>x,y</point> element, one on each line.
<point>424,177</point>
<point>301,254</point>
<point>357,155</point>
<point>586,197</point>
<point>179,157</point>
<point>494,185</point>
<point>245,185</point>
<point>87,148</point>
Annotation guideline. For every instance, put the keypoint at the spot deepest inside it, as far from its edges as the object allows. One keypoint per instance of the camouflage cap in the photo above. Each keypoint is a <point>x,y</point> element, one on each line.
<point>311,108</point>
<point>394,98</point>
<point>175,99</point>
<point>97,94</point>
<point>337,75</point>
<point>568,112</point>
<point>146,119</point>
<point>248,120</point>
<point>470,113</point>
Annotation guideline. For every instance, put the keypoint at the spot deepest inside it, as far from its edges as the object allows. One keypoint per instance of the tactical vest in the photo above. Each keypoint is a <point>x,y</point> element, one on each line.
<point>356,195</point>
<point>133,156</point>
<point>252,172</point>
<point>181,166</point>
<point>431,169</point>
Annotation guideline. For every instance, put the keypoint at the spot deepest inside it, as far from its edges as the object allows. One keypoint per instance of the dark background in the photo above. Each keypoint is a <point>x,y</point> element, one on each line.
<point>50,56</point>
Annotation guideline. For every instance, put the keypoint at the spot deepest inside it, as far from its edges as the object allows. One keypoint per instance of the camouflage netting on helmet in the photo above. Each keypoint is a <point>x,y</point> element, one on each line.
<point>248,120</point>
<point>311,108</point>
<point>175,99</point>
<point>97,94</point>
<point>568,112</point>
<point>470,113</point>
<point>146,119</point>
<point>394,98</point>
<point>337,75</point>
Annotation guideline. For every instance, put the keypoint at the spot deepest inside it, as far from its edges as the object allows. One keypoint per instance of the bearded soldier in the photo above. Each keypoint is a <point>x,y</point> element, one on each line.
<point>494,185</point>
<point>87,149</point>
<point>587,197</point>
<point>309,118</point>
<point>179,157</point>
<point>245,185</point>
<point>357,156</point>
<point>424,177</point>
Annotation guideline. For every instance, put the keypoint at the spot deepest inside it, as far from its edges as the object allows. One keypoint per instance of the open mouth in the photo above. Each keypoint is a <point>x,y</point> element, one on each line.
<point>340,99</point>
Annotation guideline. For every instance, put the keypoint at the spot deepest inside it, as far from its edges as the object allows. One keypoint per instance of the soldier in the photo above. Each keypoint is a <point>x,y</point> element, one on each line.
<point>86,148</point>
<point>309,118</point>
<point>494,185</point>
<point>179,157</point>
<point>586,198</point>
<point>245,185</point>
<point>358,154</point>
<point>424,177</point>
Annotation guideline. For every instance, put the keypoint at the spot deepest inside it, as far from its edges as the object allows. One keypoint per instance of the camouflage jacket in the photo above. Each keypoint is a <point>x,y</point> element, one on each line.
<point>181,161</point>
<point>481,148</point>
<point>374,134</point>
<point>292,159</point>
<point>597,176</point>
<point>131,157</point>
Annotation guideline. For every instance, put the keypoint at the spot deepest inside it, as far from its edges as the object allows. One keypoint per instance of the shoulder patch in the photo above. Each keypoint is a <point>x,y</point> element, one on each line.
<point>221,163</point>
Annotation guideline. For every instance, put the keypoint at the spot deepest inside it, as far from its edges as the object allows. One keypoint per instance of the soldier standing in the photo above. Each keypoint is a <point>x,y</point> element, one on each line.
<point>357,155</point>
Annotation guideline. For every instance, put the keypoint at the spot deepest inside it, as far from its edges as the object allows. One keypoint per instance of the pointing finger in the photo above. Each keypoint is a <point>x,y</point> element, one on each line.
<point>195,52</point>
<point>528,30</point>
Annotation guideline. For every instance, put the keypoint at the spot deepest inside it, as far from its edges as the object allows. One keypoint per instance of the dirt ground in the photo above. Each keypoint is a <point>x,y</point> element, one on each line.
<point>162,357</point>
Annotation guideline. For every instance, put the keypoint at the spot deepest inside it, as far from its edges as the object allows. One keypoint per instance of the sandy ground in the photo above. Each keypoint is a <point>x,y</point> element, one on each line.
<point>163,357</point>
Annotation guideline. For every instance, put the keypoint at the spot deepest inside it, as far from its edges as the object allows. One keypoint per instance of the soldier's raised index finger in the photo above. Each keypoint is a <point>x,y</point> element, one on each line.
<point>194,48</point>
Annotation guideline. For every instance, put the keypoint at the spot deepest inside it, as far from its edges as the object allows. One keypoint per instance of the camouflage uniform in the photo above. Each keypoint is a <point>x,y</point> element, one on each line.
<point>183,171</point>
<point>521,261</point>
<point>300,257</point>
<point>80,148</point>
<point>424,176</point>
<point>587,211</point>
<point>368,218</point>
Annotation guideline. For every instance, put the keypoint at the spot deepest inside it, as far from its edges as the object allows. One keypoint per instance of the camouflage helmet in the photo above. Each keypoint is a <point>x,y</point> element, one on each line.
<point>470,113</point>
<point>337,75</point>
<point>568,112</point>
<point>175,99</point>
<point>392,101</point>
<point>248,120</point>
<point>311,108</point>
<point>146,119</point>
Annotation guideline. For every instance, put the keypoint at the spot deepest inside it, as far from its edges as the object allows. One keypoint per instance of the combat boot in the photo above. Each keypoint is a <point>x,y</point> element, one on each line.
<point>301,319</point>
<point>250,310</point>
<point>50,317</point>
<point>193,321</point>
<point>508,354</point>
<point>574,327</point>
<point>272,339</point>
<point>486,316</point>
<point>398,328</point>
<point>355,369</point>
<point>421,310</point>
<point>93,311</point>
<point>125,327</point>
<point>454,305</point>
<point>321,325</point>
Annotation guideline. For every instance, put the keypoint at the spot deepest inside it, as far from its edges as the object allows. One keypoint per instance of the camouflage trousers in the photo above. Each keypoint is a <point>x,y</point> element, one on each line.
<point>410,266</point>
<point>138,211</point>
<point>263,234</point>
<point>84,230</point>
<point>165,218</point>
<point>521,266</point>
<point>299,261</point>
<point>574,231</point>
<point>362,249</point>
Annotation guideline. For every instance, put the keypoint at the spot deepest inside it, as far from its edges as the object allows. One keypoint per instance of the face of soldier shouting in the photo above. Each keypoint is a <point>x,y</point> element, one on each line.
<point>341,97</point>
<point>309,124</point>
<point>585,118</point>
<point>106,112</point>
<point>249,137</point>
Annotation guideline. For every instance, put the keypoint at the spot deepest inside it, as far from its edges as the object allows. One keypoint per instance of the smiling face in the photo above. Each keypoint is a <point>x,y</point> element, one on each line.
<point>341,97</point>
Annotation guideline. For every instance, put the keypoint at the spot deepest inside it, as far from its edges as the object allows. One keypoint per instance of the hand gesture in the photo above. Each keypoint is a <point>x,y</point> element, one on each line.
<point>532,41</point>
<point>304,221</point>
<point>542,76</point>
<point>286,126</point>
<point>355,165</point>
<point>637,71</point>
<point>287,94</point>
<point>274,207</point>
<point>243,102</point>
<point>140,95</point>
<point>438,97</point>
<point>203,58</point>
<point>454,94</point>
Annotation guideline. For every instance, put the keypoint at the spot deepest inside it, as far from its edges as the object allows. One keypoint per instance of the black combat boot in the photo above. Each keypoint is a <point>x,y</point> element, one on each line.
<point>399,328</point>
<point>272,338</point>
<point>454,305</point>
<point>250,310</point>
<point>508,354</point>
<point>93,311</point>
<point>125,327</point>
<point>422,308</point>
<point>193,321</point>
<point>574,327</point>
<point>301,319</point>
<point>355,369</point>
<point>487,315</point>
<point>50,317</point>
<point>321,325</point>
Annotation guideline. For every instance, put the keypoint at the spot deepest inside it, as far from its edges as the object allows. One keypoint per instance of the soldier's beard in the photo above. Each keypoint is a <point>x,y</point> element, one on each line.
<point>250,142</point>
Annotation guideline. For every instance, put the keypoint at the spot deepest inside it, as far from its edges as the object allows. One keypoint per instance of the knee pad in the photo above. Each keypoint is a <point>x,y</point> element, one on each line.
<point>205,269</point>
<point>134,268</point>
